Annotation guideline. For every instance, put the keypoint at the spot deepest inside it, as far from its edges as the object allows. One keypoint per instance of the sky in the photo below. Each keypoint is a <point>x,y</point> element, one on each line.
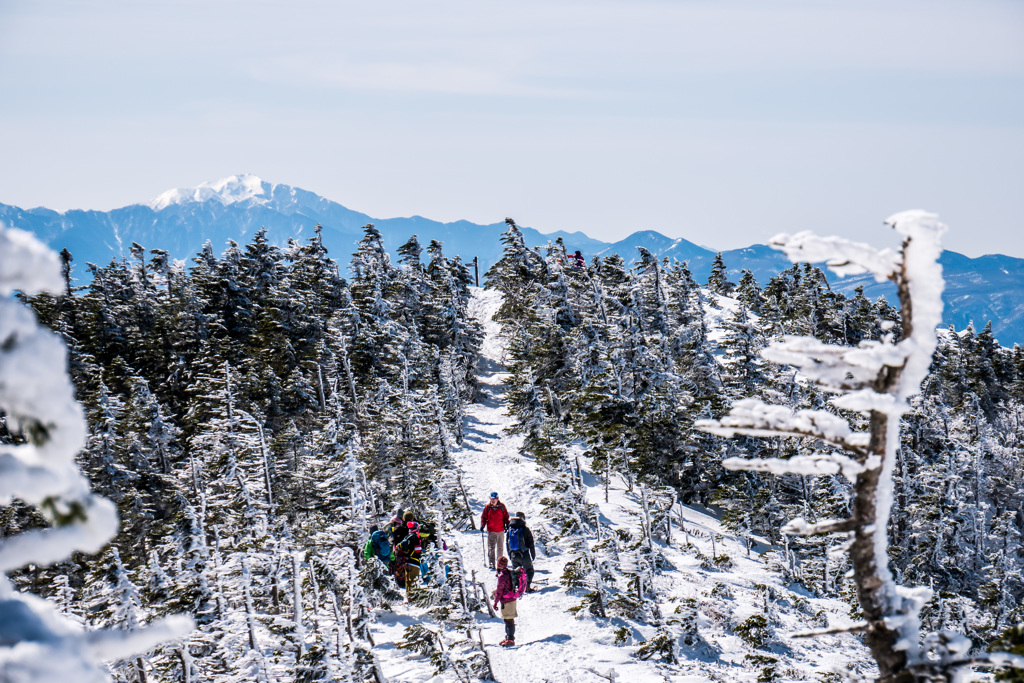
<point>723,122</point>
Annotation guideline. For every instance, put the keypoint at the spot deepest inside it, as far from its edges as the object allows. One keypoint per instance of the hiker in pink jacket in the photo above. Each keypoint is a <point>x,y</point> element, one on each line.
<point>511,586</point>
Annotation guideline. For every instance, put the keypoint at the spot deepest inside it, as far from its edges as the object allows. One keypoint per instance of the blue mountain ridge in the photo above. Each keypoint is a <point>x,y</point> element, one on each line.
<point>978,290</point>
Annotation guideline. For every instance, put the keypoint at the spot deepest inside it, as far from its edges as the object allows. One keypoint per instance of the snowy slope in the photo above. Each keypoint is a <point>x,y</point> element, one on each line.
<point>555,645</point>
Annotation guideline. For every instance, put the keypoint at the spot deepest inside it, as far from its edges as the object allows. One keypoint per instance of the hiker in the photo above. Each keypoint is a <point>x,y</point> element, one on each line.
<point>428,536</point>
<point>519,541</point>
<point>578,260</point>
<point>411,552</point>
<point>396,527</point>
<point>494,520</point>
<point>377,545</point>
<point>511,585</point>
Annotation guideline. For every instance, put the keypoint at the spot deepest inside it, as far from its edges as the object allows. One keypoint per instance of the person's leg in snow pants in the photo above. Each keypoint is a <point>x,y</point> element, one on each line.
<point>495,546</point>
<point>412,572</point>
<point>509,614</point>
<point>521,558</point>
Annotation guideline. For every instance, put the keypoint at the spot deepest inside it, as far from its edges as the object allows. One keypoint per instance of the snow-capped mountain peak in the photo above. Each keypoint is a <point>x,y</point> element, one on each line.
<point>230,190</point>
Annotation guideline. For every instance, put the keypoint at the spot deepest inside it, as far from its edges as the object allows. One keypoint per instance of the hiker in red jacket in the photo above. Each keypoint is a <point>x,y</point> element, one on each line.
<point>494,520</point>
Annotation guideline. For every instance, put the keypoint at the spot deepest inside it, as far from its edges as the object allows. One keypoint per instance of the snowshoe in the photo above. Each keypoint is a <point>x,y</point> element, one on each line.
<point>508,642</point>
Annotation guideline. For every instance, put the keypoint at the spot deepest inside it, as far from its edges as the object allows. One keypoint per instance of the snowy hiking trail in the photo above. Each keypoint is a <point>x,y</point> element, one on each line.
<point>552,644</point>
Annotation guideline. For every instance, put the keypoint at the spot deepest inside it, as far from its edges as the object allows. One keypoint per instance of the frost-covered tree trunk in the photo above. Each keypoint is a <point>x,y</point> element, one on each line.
<point>875,379</point>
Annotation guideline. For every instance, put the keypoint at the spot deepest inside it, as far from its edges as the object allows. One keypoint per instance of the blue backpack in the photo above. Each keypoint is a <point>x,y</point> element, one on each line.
<point>381,545</point>
<point>515,538</point>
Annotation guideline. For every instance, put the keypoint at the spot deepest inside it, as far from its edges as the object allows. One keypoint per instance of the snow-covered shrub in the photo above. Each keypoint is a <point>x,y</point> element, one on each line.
<point>754,630</point>
<point>768,671</point>
<point>661,645</point>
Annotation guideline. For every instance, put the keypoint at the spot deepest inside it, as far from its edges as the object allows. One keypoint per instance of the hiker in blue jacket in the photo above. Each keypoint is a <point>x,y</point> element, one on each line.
<point>519,541</point>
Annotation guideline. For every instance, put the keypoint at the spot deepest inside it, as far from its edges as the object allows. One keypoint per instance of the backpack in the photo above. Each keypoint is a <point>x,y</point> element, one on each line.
<point>410,545</point>
<point>398,532</point>
<point>521,587</point>
<point>515,538</point>
<point>518,585</point>
<point>380,541</point>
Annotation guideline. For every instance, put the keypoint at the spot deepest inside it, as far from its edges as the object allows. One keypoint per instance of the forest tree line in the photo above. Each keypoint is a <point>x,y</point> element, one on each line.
<point>251,414</point>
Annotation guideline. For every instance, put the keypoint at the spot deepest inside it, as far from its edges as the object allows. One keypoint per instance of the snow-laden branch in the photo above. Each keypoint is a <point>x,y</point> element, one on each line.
<point>37,398</point>
<point>800,527</point>
<point>836,368</point>
<point>753,417</point>
<point>842,256</point>
<point>27,265</point>
<point>108,644</point>
<point>808,465</point>
<point>814,633</point>
<point>98,524</point>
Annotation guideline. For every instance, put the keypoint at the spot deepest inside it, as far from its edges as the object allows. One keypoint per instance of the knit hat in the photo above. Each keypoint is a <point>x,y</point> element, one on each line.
<point>521,515</point>
<point>374,527</point>
<point>398,513</point>
<point>502,562</point>
<point>413,526</point>
<point>494,494</point>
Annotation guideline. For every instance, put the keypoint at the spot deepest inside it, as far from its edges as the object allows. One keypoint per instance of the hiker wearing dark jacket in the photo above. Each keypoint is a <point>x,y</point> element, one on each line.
<point>396,527</point>
<point>493,521</point>
<point>412,552</point>
<point>523,553</point>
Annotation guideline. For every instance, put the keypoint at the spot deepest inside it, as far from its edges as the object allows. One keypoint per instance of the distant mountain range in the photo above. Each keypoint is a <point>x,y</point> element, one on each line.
<point>180,221</point>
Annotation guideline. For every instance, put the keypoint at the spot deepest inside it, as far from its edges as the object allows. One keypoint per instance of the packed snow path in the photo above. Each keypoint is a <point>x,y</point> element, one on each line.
<point>551,643</point>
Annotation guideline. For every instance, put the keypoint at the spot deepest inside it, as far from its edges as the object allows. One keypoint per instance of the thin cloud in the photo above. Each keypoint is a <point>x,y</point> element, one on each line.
<point>404,76</point>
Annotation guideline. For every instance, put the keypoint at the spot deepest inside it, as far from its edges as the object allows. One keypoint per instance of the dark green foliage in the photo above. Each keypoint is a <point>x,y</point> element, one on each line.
<point>1012,641</point>
<point>767,664</point>
<point>661,645</point>
<point>754,630</point>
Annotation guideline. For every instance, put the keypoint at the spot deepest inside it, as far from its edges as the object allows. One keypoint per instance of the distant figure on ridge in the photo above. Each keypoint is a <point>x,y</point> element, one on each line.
<point>494,521</point>
<point>520,547</point>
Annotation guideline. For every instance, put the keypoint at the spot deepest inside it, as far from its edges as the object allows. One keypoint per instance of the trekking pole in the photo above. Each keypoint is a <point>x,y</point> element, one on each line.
<point>483,545</point>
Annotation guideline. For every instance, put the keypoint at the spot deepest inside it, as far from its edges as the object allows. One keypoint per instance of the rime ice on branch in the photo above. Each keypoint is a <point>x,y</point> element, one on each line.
<point>875,379</point>
<point>37,398</point>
